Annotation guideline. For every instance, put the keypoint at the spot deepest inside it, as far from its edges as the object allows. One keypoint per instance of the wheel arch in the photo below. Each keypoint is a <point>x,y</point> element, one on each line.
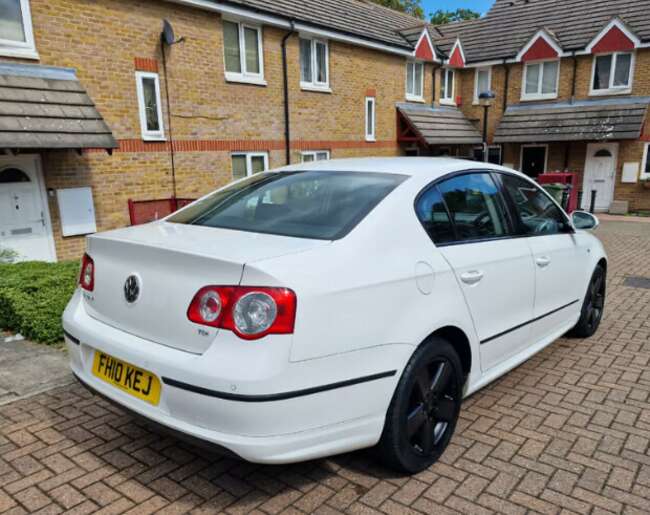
<point>459,340</point>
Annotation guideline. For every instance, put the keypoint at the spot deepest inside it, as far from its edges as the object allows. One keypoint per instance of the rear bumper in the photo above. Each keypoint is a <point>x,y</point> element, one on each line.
<point>244,397</point>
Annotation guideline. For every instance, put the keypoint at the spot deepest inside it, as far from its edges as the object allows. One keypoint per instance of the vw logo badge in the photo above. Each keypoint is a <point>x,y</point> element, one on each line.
<point>132,288</point>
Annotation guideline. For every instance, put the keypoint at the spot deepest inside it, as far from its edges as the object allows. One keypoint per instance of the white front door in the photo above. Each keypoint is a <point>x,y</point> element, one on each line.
<point>25,225</point>
<point>600,174</point>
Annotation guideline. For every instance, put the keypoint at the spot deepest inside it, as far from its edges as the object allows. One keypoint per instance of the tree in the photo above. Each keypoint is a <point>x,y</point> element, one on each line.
<point>412,7</point>
<point>441,17</point>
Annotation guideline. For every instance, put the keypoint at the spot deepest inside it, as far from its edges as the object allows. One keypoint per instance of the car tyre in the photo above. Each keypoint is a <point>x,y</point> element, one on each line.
<point>592,306</point>
<point>424,409</point>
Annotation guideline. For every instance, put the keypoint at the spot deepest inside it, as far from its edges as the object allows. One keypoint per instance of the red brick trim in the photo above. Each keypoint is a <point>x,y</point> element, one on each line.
<point>145,64</point>
<point>371,92</point>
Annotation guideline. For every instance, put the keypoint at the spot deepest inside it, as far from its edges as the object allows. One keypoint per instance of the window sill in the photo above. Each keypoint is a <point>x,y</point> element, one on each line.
<point>243,79</point>
<point>608,92</point>
<point>419,100</point>
<point>444,102</point>
<point>304,86</point>
<point>153,139</point>
<point>22,53</point>
<point>371,140</point>
<point>533,98</point>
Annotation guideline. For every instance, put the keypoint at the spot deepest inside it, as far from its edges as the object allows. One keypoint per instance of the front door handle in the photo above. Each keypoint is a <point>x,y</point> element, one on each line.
<point>471,277</point>
<point>543,261</point>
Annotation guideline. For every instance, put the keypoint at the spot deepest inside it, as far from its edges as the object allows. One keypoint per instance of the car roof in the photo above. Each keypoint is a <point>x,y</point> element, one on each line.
<point>426,167</point>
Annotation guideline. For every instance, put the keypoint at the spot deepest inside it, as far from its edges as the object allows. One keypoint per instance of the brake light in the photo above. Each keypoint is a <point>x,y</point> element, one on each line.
<point>250,312</point>
<point>87,273</point>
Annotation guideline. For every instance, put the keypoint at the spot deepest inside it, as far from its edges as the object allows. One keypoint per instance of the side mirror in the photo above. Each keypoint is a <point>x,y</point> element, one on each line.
<point>584,221</point>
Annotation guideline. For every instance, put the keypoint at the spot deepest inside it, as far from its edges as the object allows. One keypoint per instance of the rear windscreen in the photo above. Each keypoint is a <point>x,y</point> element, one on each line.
<point>307,204</point>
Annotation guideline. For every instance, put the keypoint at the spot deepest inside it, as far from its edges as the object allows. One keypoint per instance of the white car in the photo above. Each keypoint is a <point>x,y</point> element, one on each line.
<point>333,306</point>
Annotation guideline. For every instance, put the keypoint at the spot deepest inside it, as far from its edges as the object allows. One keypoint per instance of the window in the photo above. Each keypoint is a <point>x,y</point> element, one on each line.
<point>370,118</point>
<point>151,120</point>
<point>242,46</point>
<point>474,205</point>
<point>494,154</point>
<point>16,35</point>
<point>315,155</point>
<point>447,86</point>
<point>482,82</point>
<point>538,214</point>
<point>9,175</point>
<point>312,204</point>
<point>414,81</point>
<point>612,73</point>
<point>540,80</point>
<point>645,166</point>
<point>250,163</point>
<point>314,64</point>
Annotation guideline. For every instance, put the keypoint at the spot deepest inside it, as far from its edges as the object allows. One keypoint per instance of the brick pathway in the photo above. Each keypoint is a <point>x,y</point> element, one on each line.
<point>567,432</point>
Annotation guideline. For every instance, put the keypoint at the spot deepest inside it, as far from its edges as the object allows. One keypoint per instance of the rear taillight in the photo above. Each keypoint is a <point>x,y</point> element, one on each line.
<point>87,274</point>
<point>250,312</point>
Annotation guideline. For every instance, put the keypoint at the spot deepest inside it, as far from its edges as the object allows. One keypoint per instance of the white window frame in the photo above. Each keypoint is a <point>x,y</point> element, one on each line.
<point>410,95</point>
<point>448,100</point>
<point>643,175</point>
<point>478,70</point>
<point>539,95</point>
<point>244,75</point>
<point>314,85</point>
<point>148,135</point>
<point>23,49</point>
<point>314,154</point>
<point>370,134</point>
<point>612,90</point>
<point>249,161</point>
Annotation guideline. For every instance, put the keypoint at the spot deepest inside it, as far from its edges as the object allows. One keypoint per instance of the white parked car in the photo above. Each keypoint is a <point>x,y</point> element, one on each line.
<point>334,305</point>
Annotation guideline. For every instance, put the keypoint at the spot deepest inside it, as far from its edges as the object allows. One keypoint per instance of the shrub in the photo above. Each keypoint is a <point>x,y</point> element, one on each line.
<point>33,296</point>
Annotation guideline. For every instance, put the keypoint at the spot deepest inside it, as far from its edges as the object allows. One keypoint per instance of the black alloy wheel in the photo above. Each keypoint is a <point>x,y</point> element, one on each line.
<point>593,305</point>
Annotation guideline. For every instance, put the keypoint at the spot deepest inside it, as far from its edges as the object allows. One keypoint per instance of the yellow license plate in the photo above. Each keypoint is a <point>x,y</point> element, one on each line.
<point>131,379</point>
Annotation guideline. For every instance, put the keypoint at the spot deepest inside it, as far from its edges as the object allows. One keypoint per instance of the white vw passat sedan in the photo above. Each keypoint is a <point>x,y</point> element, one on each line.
<point>333,306</point>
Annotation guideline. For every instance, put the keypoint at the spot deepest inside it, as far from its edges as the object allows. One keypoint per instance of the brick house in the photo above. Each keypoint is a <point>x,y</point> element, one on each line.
<point>95,109</point>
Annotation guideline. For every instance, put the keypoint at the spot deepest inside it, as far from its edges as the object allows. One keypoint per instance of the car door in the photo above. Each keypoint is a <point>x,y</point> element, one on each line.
<point>559,258</point>
<point>467,218</point>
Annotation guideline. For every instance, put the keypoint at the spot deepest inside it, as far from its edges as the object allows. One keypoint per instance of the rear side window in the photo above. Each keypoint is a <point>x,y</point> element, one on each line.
<point>309,204</point>
<point>465,208</point>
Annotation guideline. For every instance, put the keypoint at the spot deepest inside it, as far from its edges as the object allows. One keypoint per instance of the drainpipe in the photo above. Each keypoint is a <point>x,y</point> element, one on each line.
<point>433,84</point>
<point>567,147</point>
<point>506,85</point>
<point>169,117</point>
<point>287,127</point>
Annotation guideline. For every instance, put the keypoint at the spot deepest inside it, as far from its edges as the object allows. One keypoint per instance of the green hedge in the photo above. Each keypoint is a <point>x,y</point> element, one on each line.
<point>33,296</point>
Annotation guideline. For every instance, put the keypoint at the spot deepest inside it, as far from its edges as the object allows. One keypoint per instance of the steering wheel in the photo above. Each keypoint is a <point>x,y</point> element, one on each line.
<point>482,221</point>
<point>547,226</point>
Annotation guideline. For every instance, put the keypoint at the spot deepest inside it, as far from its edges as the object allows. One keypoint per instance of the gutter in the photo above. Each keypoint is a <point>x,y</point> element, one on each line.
<point>285,83</point>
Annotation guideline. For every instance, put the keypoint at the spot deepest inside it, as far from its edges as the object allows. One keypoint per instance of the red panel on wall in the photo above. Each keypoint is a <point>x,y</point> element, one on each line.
<point>540,49</point>
<point>456,60</point>
<point>614,41</point>
<point>424,50</point>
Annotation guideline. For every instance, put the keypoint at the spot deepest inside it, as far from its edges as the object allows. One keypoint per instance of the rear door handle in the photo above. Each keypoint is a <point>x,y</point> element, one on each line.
<point>471,277</point>
<point>543,261</point>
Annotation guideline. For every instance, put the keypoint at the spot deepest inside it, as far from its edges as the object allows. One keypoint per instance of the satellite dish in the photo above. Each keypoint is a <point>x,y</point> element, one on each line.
<point>167,35</point>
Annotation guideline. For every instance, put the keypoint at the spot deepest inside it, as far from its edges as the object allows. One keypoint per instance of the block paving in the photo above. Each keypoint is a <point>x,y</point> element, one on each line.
<point>566,432</point>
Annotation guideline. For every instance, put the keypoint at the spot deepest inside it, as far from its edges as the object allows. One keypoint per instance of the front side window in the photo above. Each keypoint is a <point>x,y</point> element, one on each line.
<point>541,80</point>
<point>246,164</point>
<point>242,47</point>
<point>310,204</point>
<point>16,36</point>
<point>151,120</point>
<point>433,214</point>
<point>483,82</point>
<point>315,155</point>
<point>447,86</point>
<point>370,118</point>
<point>314,63</point>
<point>612,73</point>
<point>414,80</point>
<point>537,213</point>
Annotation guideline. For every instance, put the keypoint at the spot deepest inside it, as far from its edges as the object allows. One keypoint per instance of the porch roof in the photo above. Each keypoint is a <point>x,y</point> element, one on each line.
<point>590,120</point>
<point>440,125</point>
<point>43,107</point>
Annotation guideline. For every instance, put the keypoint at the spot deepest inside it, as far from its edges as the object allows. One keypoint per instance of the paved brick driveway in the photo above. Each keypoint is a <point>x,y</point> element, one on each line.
<point>566,432</point>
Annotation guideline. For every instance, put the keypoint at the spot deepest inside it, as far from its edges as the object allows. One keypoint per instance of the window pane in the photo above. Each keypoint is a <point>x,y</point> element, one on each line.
<point>647,160</point>
<point>475,206</point>
<point>311,204</point>
<point>538,214</point>
<point>258,164</point>
<point>11,21</point>
<point>443,84</point>
<point>321,63</point>
<point>532,79</point>
<point>307,158</point>
<point>623,68</point>
<point>549,78</point>
<point>238,167</point>
<point>370,117</point>
<point>433,215</point>
<point>450,84</point>
<point>483,82</point>
<point>322,156</point>
<point>602,71</point>
<point>231,47</point>
<point>252,50</point>
<point>150,103</point>
<point>305,60</point>
<point>494,155</point>
<point>409,78</point>
<point>418,79</point>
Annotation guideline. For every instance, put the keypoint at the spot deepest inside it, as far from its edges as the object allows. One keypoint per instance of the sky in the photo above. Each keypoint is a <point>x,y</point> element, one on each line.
<point>480,6</point>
